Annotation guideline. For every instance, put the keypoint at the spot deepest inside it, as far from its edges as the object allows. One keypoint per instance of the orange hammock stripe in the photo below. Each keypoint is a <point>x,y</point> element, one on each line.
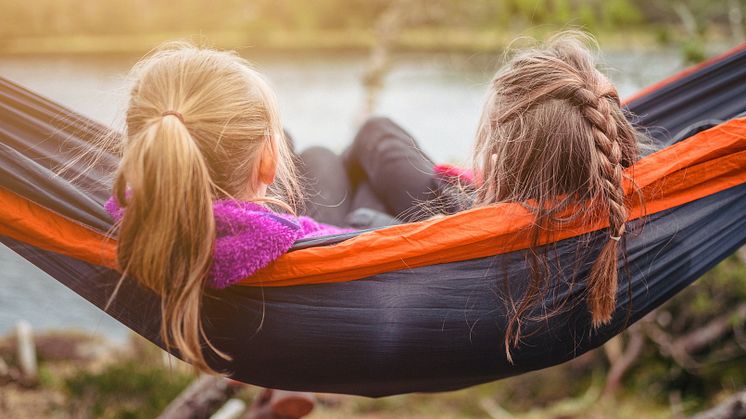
<point>707,163</point>
<point>38,226</point>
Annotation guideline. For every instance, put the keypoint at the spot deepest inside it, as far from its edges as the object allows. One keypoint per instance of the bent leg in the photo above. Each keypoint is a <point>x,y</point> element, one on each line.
<point>326,185</point>
<point>397,170</point>
<point>365,197</point>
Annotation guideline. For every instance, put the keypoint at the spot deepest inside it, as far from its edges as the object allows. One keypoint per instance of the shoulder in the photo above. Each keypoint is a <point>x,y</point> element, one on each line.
<point>249,237</point>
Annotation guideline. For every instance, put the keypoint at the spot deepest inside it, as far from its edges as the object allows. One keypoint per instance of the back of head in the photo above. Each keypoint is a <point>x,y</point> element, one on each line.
<point>551,122</point>
<point>553,134</point>
<point>196,124</point>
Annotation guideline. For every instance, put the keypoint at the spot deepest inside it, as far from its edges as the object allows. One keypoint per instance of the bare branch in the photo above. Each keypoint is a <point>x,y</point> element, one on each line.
<point>668,348</point>
<point>700,338</point>
<point>682,349</point>
<point>620,366</point>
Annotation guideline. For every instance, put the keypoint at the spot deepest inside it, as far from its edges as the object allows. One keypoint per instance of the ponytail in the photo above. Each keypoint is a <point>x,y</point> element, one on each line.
<point>197,123</point>
<point>167,234</point>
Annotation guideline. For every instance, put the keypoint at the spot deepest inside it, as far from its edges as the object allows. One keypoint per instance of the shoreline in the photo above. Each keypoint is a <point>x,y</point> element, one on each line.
<point>428,40</point>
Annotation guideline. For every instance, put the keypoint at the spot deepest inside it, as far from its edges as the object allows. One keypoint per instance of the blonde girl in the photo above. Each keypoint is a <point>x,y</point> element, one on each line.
<point>203,155</point>
<point>553,136</point>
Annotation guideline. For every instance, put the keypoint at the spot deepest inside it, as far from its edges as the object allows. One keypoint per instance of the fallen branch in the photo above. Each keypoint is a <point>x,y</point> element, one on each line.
<point>203,397</point>
<point>494,410</point>
<point>734,407</point>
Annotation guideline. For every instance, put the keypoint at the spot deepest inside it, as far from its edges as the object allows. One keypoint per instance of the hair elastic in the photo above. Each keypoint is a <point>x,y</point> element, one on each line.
<point>615,238</point>
<point>174,113</point>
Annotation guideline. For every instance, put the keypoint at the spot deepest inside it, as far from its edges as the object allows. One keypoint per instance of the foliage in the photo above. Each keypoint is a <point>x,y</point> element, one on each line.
<point>720,366</point>
<point>110,17</point>
<point>128,389</point>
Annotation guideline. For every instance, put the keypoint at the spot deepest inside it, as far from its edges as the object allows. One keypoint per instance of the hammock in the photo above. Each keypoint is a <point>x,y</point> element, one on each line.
<point>414,307</point>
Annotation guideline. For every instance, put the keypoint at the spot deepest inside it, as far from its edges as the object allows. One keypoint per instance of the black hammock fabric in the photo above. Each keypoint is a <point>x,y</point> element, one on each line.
<point>433,328</point>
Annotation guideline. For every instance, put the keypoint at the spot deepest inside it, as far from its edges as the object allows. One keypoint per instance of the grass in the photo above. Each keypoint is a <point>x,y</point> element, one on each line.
<point>129,389</point>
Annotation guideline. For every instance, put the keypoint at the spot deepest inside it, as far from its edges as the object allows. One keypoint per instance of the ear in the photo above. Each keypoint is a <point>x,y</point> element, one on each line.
<point>268,162</point>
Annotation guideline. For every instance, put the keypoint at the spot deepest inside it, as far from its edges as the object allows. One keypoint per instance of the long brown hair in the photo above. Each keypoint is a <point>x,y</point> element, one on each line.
<point>196,124</point>
<point>553,135</point>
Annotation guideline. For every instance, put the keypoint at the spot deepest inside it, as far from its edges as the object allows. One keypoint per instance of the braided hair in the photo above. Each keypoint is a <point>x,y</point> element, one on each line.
<point>553,135</point>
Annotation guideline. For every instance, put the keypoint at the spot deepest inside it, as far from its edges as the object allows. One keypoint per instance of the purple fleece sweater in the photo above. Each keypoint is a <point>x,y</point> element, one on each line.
<point>249,237</point>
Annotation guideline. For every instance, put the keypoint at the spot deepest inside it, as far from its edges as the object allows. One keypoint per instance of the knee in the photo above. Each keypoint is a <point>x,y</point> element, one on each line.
<point>316,160</point>
<point>376,123</point>
<point>374,129</point>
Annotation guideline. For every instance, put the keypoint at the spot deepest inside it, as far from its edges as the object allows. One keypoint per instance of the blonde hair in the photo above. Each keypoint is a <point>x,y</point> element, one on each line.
<point>553,134</point>
<point>196,124</point>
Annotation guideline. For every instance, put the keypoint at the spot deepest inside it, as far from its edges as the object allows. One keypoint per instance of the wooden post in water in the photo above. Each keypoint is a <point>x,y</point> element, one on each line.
<point>26,353</point>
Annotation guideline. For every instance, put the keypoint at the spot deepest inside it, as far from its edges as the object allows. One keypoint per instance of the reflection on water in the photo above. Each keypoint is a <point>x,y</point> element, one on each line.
<point>436,97</point>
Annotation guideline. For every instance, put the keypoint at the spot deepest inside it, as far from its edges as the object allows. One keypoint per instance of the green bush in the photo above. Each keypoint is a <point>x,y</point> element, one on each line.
<point>693,51</point>
<point>128,389</point>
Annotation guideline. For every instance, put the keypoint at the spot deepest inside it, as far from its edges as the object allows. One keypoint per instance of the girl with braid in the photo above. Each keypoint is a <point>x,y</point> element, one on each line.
<point>553,135</point>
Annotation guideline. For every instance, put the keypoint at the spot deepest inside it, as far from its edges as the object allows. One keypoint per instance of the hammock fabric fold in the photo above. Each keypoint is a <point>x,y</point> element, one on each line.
<point>415,307</point>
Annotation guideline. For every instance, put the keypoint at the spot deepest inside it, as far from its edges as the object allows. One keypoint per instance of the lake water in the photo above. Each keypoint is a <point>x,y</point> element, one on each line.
<point>436,97</point>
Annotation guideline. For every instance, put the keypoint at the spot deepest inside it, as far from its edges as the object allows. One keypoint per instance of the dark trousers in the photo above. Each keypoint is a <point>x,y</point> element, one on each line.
<point>383,170</point>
